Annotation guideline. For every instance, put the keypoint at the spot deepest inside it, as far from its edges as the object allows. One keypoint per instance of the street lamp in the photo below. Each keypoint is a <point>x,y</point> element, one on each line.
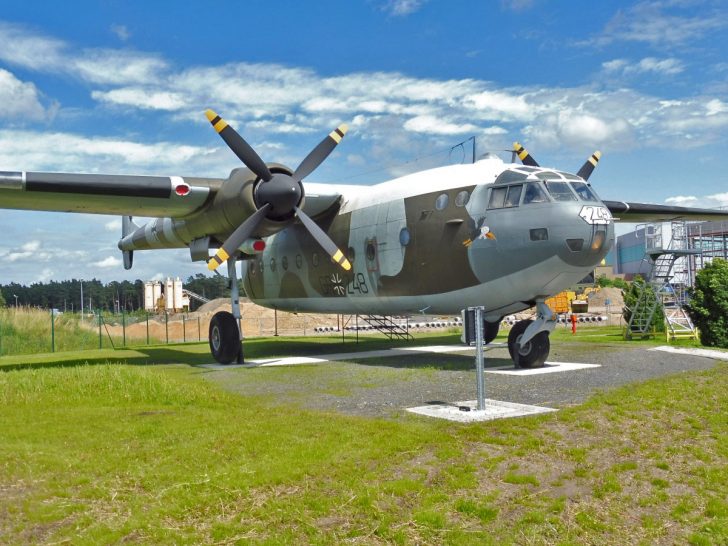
<point>16,300</point>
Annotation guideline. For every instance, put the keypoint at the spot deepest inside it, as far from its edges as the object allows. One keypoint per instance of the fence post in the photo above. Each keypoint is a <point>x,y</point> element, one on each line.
<point>199,332</point>
<point>53,333</point>
<point>147,313</point>
<point>166,326</point>
<point>123,327</point>
<point>100,338</point>
<point>184,330</point>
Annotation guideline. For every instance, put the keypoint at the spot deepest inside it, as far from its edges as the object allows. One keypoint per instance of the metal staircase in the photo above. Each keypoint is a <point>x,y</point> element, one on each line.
<point>388,326</point>
<point>665,288</point>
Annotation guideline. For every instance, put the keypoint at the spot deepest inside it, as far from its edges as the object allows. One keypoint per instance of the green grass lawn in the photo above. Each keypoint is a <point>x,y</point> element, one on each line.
<point>124,452</point>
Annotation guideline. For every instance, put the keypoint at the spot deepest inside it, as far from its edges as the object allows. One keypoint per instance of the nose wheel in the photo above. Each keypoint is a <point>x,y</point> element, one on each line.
<point>532,353</point>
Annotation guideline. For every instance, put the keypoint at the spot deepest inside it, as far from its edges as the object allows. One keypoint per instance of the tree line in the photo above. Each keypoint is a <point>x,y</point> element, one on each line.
<point>114,296</point>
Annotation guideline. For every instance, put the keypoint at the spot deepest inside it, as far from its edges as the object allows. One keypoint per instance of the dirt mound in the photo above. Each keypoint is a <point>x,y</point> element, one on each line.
<point>256,321</point>
<point>598,300</point>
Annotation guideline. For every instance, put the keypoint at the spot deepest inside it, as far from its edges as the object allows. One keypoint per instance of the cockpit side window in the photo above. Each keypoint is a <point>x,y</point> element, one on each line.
<point>584,192</point>
<point>497,198</point>
<point>560,191</point>
<point>505,196</point>
<point>514,195</point>
<point>534,194</point>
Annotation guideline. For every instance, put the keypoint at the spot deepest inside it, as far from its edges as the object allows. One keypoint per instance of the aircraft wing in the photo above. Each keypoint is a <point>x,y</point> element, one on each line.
<point>170,196</point>
<point>647,212</point>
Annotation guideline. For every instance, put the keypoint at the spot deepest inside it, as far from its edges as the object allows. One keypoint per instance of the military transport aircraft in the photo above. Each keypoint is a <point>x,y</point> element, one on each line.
<point>502,235</point>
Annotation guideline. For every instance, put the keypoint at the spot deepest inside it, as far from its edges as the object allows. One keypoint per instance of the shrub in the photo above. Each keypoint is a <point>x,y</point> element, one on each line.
<point>708,306</point>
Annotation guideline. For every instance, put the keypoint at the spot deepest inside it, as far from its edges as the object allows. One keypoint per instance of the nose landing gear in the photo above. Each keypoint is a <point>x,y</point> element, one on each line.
<point>528,341</point>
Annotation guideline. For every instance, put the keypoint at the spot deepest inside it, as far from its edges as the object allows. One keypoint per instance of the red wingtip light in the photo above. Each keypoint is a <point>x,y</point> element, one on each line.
<point>259,245</point>
<point>181,189</point>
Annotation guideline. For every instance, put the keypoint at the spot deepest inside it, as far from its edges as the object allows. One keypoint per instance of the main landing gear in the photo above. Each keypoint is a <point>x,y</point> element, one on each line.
<point>225,336</point>
<point>528,341</point>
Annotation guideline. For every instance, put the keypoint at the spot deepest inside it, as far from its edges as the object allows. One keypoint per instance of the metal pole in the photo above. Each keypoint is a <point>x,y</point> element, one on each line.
<point>275,323</point>
<point>166,326</point>
<point>479,358</point>
<point>123,326</point>
<point>184,331</point>
<point>100,338</point>
<point>53,333</point>
<point>147,328</point>
<point>199,331</point>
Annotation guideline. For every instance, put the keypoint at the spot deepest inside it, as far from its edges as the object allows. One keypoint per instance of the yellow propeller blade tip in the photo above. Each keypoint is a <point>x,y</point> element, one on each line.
<point>598,154</point>
<point>346,265</point>
<point>343,128</point>
<point>210,115</point>
<point>212,265</point>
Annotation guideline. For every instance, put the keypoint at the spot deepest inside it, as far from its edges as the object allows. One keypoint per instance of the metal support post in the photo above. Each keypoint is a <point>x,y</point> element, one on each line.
<point>235,301</point>
<point>53,333</point>
<point>479,372</point>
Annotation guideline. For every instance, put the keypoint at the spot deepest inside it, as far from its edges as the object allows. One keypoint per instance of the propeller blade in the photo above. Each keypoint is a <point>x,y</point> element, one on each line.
<point>324,240</point>
<point>588,167</point>
<point>243,232</point>
<point>240,148</point>
<point>524,156</point>
<point>320,152</point>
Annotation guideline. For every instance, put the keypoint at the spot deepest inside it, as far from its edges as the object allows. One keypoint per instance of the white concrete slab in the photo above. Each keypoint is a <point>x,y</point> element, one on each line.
<point>494,409</point>
<point>707,353</point>
<point>549,367</point>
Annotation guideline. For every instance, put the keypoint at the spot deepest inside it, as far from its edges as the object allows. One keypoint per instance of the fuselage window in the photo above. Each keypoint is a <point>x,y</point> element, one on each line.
<point>442,201</point>
<point>315,259</point>
<point>462,198</point>
<point>534,194</point>
<point>299,261</point>
<point>272,264</point>
<point>252,268</point>
<point>404,236</point>
<point>350,254</point>
<point>497,198</point>
<point>262,266</point>
<point>560,191</point>
<point>584,192</point>
<point>284,263</point>
<point>539,234</point>
<point>514,195</point>
<point>371,251</point>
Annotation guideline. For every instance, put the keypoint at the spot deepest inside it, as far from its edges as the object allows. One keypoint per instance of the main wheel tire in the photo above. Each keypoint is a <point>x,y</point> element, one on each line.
<point>490,330</point>
<point>224,337</point>
<point>534,353</point>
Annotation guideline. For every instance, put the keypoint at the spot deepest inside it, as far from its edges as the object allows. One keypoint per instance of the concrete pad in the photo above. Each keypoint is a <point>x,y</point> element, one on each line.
<point>494,409</point>
<point>548,367</point>
<point>707,353</point>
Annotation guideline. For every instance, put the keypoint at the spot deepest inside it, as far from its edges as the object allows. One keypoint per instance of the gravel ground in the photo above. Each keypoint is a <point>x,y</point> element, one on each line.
<point>383,387</point>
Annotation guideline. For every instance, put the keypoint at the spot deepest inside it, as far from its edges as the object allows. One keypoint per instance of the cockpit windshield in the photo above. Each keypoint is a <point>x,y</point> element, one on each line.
<point>560,190</point>
<point>584,192</point>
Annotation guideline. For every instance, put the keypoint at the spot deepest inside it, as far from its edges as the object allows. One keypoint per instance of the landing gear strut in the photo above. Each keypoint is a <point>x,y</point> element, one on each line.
<point>225,335</point>
<point>528,341</point>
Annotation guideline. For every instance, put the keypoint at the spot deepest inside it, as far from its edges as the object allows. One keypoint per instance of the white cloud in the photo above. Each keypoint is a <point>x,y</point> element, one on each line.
<point>664,67</point>
<point>660,24</point>
<point>31,150</point>
<point>121,32</point>
<point>682,200</point>
<point>108,262</point>
<point>403,7</point>
<point>113,225</point>
<point>20,100</point>
<point>716,200</point>
<point>435,126</point>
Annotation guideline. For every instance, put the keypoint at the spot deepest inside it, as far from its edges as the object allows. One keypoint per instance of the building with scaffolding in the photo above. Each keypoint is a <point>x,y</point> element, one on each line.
<point>668,256</point>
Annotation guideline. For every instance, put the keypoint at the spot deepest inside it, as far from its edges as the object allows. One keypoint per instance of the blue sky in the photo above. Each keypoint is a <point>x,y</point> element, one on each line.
<point>121,87</point>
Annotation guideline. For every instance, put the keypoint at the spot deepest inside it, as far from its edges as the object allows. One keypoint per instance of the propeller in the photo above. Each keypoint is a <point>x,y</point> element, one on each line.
<point>277,195</point>
<point>524,156</point>
<point>588,167</point>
